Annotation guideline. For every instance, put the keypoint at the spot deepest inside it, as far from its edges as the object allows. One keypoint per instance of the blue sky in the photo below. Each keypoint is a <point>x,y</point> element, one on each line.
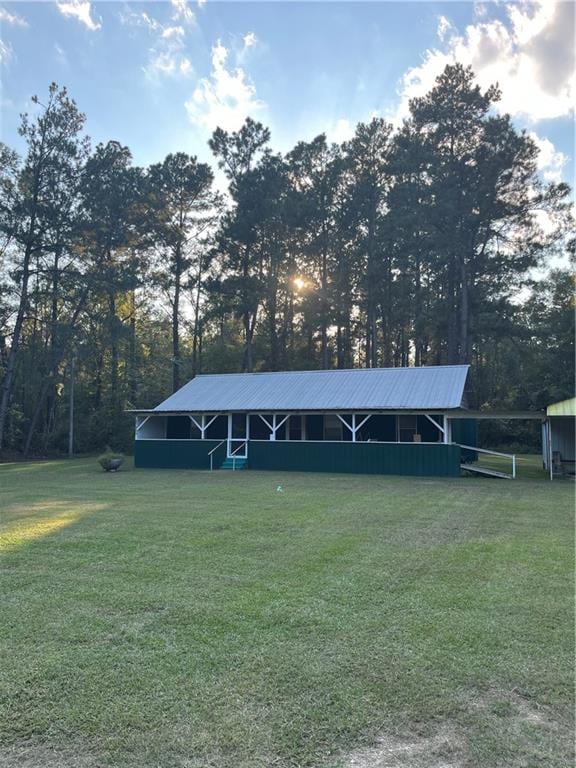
<point>159,76</point>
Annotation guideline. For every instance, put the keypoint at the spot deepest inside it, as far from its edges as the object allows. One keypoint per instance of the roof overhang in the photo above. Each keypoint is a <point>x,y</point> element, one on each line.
<point>455,413</point>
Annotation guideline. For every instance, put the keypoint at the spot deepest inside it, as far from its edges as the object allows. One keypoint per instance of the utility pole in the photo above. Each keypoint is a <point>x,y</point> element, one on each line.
<point>71,412</point>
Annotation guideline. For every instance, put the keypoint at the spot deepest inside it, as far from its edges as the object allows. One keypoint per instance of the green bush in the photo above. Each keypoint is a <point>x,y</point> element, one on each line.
<point>110,461</point>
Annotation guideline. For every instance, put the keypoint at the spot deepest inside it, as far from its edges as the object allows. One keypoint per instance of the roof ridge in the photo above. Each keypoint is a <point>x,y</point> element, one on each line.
<point>334,370</point>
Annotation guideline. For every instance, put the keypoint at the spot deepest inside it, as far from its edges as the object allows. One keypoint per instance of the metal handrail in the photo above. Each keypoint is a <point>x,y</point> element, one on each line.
<point>215,449</point>
<point>242,444</point>
<point>494,453</point>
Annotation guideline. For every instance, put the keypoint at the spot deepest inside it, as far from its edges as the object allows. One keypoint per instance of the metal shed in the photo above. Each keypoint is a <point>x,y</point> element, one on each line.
<point>380,421</point>
<point>559,438</point>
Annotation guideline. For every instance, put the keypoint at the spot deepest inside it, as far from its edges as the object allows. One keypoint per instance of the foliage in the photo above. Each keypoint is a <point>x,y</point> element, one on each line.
<point>110,460</point>
<point>429,244</point>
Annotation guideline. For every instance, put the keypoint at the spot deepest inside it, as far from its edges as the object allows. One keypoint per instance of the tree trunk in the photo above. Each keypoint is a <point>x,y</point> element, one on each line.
<point>176,319</point>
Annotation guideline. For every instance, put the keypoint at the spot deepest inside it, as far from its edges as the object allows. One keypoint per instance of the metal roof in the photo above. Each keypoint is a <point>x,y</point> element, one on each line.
<point>361,389</point>
<point>563,408</point>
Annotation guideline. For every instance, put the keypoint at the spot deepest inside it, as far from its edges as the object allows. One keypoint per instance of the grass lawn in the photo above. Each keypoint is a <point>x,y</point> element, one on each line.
<point>171,619</point>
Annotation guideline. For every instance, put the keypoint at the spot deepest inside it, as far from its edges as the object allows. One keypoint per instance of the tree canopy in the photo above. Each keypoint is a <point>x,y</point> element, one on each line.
<point>434,243</point>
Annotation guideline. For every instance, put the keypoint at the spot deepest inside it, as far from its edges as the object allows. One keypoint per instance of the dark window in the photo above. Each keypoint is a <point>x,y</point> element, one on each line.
<point>295,428</point>
<point>178,428</point>
<point>314,427</point>
<point>218,430</point>
<point>407,428</point>
<point>332,427</point>
<point>259,430</point>
<point>379,428</point>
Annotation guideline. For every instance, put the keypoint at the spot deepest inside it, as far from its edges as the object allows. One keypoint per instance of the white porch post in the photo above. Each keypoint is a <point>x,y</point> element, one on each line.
<point>355,426</point>
<point>247,426</point>
<point>303,427</point>
<point>447,429</point>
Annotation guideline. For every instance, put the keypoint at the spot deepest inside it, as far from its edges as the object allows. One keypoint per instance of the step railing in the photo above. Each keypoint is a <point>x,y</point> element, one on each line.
<point>511,456</point>
<point>213,451</point>
<point>243,444</point>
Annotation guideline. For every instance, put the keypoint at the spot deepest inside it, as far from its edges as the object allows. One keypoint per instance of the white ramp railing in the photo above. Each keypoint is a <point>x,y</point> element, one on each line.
<point>510,456</point>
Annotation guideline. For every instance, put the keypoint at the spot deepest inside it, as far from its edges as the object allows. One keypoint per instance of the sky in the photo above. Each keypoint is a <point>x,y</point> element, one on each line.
<point>160,76</point>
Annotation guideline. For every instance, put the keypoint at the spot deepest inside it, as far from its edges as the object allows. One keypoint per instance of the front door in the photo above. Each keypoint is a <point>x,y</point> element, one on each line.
<point>237,435</point>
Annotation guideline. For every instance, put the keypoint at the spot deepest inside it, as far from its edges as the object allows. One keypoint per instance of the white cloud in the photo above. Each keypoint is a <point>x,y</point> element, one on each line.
<point>225,98</point>
<point>12,18</point>
<point>551,162</point>
<point>250,40</point>
<point>444,27</point>
<point>5,52</point>
<point>530,55</point>
<point>80,10</point>
<point>139,19</point>
<point>167,56</point>
<point>342,130</point>
<point>183,12</point>
<point>61,56</point>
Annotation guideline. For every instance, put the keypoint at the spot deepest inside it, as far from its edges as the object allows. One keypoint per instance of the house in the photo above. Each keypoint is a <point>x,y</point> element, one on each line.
<point>558,438</point>
<point>406,421</point>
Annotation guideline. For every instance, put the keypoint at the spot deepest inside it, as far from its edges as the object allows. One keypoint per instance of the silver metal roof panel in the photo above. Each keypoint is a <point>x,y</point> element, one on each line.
<point>434,387</point>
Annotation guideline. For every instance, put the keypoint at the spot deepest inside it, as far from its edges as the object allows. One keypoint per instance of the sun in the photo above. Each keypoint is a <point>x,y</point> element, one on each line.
<point>299,283</point>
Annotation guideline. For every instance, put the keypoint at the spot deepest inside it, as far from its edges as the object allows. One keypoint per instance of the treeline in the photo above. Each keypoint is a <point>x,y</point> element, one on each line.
<point>399,247</point>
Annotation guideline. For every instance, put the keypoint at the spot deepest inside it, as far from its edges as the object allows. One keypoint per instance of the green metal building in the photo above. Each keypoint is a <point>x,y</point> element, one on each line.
<point>404,421</point>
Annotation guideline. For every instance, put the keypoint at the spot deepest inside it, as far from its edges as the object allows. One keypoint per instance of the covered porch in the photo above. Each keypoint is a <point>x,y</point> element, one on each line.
<point>360,441</point>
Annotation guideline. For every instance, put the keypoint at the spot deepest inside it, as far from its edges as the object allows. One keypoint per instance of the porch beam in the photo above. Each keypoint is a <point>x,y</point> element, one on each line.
<point>355,426</point>
<point>265,420</point>
<point>436,424</point>
<point>140,424</point>
<point>199,426</point>
<point>206,425</point>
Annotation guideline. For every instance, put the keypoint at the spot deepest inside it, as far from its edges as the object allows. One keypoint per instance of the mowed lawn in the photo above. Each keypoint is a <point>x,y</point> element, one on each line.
<point>164,619</point>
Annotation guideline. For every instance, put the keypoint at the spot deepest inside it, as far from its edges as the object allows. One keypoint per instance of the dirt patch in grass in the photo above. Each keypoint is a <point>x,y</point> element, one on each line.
<point>29,755</point>
<point>515,704</point>
<point>442,750</point>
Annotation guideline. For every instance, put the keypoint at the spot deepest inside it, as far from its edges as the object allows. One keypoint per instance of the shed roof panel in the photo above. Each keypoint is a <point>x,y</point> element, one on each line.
<point>435,387</point>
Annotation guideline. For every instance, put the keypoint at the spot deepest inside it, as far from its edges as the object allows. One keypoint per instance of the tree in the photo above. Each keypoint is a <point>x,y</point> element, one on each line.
<point>185,210</point>
<point>54,147</point>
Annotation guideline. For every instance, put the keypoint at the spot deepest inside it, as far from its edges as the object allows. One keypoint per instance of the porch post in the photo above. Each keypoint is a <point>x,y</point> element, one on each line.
<point>353,427</point>
<point>447,429</point>
<point>247,426</point>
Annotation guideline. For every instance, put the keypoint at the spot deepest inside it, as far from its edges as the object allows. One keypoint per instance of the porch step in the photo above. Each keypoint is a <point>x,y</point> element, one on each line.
<point>238,463</point>
<point>485,472</point>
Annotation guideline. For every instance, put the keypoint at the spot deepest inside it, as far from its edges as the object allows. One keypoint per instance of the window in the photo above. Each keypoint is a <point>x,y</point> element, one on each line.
<point>407,428</point>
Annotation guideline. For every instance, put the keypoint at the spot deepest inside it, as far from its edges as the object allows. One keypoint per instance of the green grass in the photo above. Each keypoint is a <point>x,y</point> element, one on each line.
<point>164,619</point>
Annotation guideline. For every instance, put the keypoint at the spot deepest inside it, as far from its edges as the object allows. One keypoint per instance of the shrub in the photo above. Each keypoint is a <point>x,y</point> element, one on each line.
<point>110,461</point>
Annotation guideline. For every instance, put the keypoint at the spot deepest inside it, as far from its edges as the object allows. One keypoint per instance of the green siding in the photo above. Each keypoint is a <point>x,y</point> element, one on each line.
<point>307,456</point>
<point>358,458</point>
<point>177,454</point>
<point>465,431</point>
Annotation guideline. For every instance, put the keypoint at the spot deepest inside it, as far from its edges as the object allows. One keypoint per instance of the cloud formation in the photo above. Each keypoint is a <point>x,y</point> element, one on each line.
<point>530,55</point>
<point>225,98</point>
<point>551,162</point>
<point>81,10</point>
<point>168,53</point>
<point>6,17</point>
